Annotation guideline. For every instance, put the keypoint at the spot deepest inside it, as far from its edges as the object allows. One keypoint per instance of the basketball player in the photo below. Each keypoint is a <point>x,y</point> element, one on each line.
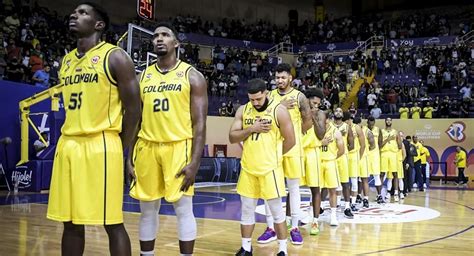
<point>400,172</point>
<point>167,153</point>
<point>373,159</point>
<point>360,157</point>
<point>312,149</point>
<point>364,168</point>
<point>261,124</point>
<point>102,104</point>
<point>331,149</point>
<point>342,162</point>
<point>293,165</point>
<point>389,143</point>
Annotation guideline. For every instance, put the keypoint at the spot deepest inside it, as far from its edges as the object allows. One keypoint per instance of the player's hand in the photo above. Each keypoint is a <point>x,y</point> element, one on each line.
<point>289,103</point>
<point>406,166</point>
<point>326,141</point>
<point>260,126</point>
<point>130,172</point>
<point>189,172</point>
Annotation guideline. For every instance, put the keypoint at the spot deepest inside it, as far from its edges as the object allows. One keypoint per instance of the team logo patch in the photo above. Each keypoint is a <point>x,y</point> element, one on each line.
<point>95,59</point>
<point>78,69</point>
<point>456,131</point>
<point>180,74</point>
<point>148,76</point>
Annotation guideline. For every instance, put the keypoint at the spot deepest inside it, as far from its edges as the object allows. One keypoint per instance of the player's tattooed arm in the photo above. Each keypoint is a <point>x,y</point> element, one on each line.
<point>305,113</point>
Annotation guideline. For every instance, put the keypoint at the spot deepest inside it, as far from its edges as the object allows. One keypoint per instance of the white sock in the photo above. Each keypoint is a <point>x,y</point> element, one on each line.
<point>348,205</point>
<point>185,254</point>
<point>315,220</point>
<point>282,246</point>
<point>247,244</point>
<point>389,184</point>
<point>152,252</point>
<point>401,184</point>
<point>288,220</point>
<point>338,200</point>
<point>333,213</point>
<point>353,198</point>
<point>366,197</point>
<point>269,217</point>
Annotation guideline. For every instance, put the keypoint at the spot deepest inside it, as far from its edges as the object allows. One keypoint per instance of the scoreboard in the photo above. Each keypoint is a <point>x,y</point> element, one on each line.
<point>146,9</point>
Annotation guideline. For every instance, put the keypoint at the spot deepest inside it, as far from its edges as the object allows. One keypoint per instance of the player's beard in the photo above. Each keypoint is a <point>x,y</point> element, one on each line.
<point>264,106</point>
<point>337,117</point>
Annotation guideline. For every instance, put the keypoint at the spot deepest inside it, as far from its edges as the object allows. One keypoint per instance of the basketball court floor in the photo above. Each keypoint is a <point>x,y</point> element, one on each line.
<point>437,222</point>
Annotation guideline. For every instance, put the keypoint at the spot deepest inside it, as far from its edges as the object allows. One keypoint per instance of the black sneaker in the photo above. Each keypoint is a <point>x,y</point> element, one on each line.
<point>348,213</point>
<point>321,210</point>
<point>380,199</point>
<point>365,203</point>
<point>354,208</point>
<point>281,254</point>
<point>359,199</point>
<point>243,252</point>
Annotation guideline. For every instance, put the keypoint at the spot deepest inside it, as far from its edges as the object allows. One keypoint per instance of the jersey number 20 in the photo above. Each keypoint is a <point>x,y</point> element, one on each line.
<point>161,105</point>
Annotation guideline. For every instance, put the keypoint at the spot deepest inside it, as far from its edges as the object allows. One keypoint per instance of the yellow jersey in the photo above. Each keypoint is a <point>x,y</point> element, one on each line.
<point>403,112</point>
<point>366,130</point>
<point>428,111</point>
<point>329,152</point>
<point>425,154</point>
<point>418,147</point>
<point>375,132</point>
<point>343,128</point>
<point>262,152</point>
<point>392,145</point>
<point>166,98</point>
<point>310,140</point>
<point>295,114</point>
<point>91,97</point>
<point>461,159</point>
<point>415,112</point>
<point>356,148</point>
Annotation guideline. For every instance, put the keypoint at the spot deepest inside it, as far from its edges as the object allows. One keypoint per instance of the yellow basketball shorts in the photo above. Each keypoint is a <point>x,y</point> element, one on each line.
<point>312,166</point>
<point>400,173</point>
<point>373,162</point>
<point>353,163</point>
<point>87,180</point>
<point>329,175</point>
<point>388,162</point>
<point>364,167</point>
<point>343,168</point>
<point>269,186</point>
<point>293,167</point>
<point>156,166</point>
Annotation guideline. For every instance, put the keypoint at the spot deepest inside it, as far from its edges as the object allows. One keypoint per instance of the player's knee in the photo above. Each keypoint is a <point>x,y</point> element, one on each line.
<point>276,208</point>
<point>339,188</point>
<point>354,184</point>
<point>248,210</point>
<point>70,227</point>
<point>187,230</point>
<point>148,220</point>
<point>377,180</point>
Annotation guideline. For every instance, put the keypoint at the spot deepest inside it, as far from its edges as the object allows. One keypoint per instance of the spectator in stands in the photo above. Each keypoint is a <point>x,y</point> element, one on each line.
<point>392,101</point>
<point>444,108</point>
<point>223,109</point>
<point>376,112</point>
<point>14,70</point>
<point>404,111</point>
<point>415,111</point>
<point>229,111</point>
<point>464,109</point>
<point>466,91</point>
<point>41,77</point>
<point>428,111</point>
<point>371,99</point>
<point>454,109</point>
<point>353,109</point>
<point>13,51</point>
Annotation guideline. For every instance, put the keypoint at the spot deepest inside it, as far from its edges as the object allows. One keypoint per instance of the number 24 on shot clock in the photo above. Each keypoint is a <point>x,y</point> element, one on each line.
<point>146,9</point>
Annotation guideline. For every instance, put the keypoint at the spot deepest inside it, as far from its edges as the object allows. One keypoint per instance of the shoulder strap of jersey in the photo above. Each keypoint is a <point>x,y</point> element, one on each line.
<point>107,66</point>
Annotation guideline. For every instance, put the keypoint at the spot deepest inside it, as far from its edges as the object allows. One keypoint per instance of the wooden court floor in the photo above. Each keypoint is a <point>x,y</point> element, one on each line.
<point>26,231</point>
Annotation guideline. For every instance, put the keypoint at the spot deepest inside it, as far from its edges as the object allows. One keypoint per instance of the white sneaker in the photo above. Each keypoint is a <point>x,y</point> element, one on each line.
<point>395,198</point>
<point>402,196</point>
<point>334,222</point>
<point>424,185</point>
<point>387,197</point>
